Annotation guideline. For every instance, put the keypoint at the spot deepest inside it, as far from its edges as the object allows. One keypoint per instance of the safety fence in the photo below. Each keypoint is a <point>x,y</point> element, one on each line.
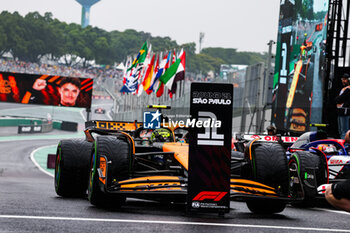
<point>251,108</point>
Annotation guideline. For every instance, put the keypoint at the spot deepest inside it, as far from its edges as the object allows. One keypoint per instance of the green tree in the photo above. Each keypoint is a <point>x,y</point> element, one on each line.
<point>31,37</point>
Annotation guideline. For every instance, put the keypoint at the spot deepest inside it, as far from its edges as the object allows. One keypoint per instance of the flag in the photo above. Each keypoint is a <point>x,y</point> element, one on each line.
<point>175,72</point>
<point>141,56</point>
<point>154,74</point>
<point>180,73</point>
<point>130,85</point>
<point>125,71</point>
<point>142,74</point>
<point>146,83</point>
<point>160,89</point>
<point>155,85</point>
<point>131,80</point>
<point>172,62</point>
<point>169,75</point>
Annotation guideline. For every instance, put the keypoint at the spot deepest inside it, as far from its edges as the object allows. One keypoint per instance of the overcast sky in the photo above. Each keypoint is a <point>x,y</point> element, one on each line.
<point>246,25</point>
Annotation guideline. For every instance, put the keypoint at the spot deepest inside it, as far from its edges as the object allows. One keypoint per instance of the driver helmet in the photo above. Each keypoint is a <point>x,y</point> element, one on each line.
<point>271,130</point>
<point>160,135</point>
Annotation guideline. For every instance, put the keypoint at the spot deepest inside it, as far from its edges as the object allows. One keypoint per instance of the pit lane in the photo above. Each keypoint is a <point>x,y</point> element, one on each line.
<point>28,203</point>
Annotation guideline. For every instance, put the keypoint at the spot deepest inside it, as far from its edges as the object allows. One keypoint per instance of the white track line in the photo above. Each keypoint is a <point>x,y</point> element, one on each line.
<point>173,223</point>
<point>35,162</point>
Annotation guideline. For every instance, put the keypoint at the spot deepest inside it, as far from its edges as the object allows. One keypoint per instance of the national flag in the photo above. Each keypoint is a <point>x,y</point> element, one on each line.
<point>175,72</point>
<point>160,89</point>
<point>168,77</point>
<point>180,73</point>
<point>125,71</point>
<point>172,62</point>
<point>130,85</point>
<point>163,64</point>
<point>153,76</point>
<point>144,66</point>
<point>131,82</point>
<point>146,83</point>
<point>141,56</point>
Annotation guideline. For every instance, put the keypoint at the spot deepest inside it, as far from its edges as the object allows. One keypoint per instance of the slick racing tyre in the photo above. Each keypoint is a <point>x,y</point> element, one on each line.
<point>311,172</point>
<point>270,167</point>
<point>117,154</point>
<point>72,167</point>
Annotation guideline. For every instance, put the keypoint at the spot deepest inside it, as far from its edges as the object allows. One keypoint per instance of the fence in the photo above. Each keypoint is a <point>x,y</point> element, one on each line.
<point>250,104</point>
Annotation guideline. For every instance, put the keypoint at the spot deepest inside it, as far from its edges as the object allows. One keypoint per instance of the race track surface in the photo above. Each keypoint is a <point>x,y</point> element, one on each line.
<point>28,203</point>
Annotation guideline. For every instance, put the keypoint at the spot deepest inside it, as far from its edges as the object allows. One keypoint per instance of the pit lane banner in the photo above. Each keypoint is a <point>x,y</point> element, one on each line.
<point>210,147</point>
<point>45,90</point>
<point>300,65</point>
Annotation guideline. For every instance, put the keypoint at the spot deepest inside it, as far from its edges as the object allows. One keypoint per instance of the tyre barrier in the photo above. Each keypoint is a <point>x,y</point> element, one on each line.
<point>69,126</point>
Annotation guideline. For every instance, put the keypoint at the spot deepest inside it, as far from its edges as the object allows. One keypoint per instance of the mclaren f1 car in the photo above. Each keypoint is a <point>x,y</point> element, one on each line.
<point>118,160</point>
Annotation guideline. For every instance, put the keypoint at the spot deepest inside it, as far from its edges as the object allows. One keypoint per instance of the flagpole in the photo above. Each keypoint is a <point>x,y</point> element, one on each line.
<point>124,107</point>
<point>126,102</point>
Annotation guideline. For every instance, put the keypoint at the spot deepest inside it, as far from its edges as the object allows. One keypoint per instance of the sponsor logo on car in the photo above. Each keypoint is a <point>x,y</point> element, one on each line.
<point>209,195</point>
<point>268,138</point>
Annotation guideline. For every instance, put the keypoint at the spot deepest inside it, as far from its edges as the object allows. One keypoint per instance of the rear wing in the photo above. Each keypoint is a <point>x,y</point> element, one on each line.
<point>114,125</point>
<point>271,138</point>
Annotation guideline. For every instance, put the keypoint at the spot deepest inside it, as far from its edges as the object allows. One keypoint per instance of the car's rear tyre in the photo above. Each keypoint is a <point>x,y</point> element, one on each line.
<point>72,167</point>
<point>117,153</point>
<point>303,160</point>
<point>270,167</point>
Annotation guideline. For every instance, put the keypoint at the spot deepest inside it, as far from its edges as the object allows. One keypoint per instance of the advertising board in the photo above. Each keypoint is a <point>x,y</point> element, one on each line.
<point>300,65</point>
<point>45,90</point>
<point>210,147</point>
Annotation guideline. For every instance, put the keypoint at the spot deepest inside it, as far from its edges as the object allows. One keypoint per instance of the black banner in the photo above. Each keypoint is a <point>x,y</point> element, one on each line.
<point>210,147</point>
<point>69,126</point>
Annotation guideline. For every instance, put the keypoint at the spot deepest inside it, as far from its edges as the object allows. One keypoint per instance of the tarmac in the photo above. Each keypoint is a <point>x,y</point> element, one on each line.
<point>10,133</point>
<point>40,155</point>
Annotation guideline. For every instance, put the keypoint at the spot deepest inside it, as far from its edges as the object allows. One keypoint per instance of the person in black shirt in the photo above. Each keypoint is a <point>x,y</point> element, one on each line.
<point>343,106</point>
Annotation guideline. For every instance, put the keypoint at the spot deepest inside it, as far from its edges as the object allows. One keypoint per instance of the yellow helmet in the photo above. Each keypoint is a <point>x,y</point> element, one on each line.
<point>161,135</point>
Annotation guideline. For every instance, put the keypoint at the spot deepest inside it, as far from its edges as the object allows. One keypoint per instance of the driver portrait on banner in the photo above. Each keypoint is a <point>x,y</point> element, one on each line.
<point>45,90</point>
<point>69,90</point>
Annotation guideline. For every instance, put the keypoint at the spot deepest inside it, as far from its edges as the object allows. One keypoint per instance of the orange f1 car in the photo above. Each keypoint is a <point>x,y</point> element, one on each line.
<point>122,159</point>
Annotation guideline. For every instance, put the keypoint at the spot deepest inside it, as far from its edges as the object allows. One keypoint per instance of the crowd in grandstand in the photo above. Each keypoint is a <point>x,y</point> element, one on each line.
<point>98,73</point>
<point>62,70</point>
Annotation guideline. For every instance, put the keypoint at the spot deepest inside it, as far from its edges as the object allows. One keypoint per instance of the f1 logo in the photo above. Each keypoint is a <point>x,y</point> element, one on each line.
<point>151,120</point>
<point>209,195</point>
<point>210,137</point>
